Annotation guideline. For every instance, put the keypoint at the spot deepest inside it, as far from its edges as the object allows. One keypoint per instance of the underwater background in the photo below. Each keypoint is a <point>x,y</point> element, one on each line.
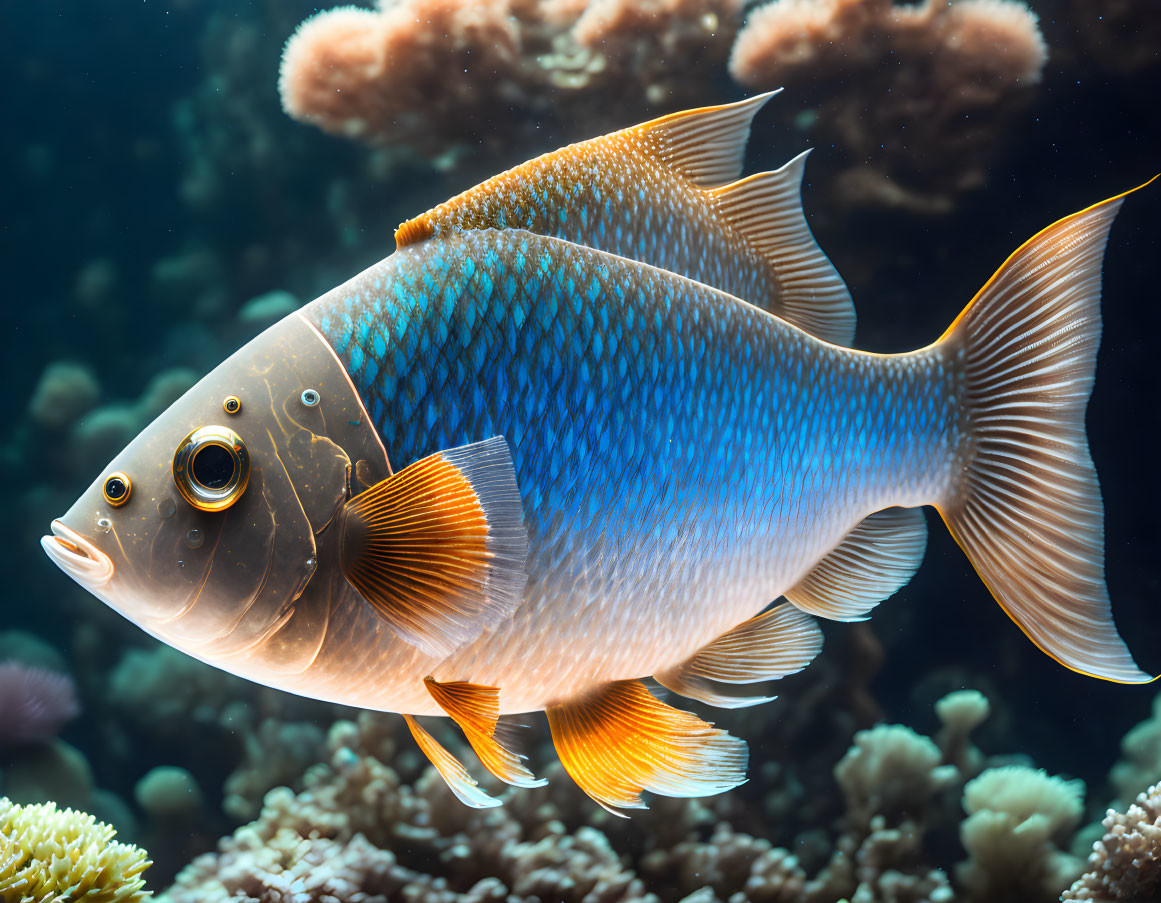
<point>161,207</point>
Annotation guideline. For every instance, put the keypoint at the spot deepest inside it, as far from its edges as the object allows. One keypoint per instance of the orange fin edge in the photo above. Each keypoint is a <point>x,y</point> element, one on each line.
<point>466,790</point>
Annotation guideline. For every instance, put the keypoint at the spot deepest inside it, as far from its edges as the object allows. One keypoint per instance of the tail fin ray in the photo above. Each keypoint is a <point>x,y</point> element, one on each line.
<point>1026,507</point>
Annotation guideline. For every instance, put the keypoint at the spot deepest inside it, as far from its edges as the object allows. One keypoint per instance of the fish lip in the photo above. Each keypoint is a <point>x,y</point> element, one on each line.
<point>77,557</point>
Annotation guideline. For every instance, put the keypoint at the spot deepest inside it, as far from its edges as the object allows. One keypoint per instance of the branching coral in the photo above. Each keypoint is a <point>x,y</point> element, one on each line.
<point>432,74</point>
<point>1125,864</point>
<point>35,703</point>
<point>51,855</point>
<point>916,94</point>
<point>1140,765</point>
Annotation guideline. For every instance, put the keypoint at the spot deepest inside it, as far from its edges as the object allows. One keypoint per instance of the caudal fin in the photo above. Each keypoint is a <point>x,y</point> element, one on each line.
<point>1027,506</point>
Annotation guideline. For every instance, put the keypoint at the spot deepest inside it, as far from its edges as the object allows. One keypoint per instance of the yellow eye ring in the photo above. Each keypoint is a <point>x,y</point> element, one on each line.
<point>117,488</point>
<point>211,468</point>
<point>232,404</point>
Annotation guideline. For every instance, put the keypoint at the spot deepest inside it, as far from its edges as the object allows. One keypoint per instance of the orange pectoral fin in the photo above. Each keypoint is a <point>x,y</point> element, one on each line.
<point>458,780</point>
<point>622,740</point>
<point>475,709</point>
<point>438,548</point>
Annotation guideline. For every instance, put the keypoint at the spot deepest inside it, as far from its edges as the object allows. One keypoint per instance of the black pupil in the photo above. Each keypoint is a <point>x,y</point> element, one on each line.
<point>231,405</point>
<point>115,487</point>
<point>213,467</point>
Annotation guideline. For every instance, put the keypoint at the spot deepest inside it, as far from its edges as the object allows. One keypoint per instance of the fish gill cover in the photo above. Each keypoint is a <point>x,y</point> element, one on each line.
<point>162,208</point>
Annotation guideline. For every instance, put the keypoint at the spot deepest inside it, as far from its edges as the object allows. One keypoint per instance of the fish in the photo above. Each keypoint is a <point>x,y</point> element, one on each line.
<point>538,459</point>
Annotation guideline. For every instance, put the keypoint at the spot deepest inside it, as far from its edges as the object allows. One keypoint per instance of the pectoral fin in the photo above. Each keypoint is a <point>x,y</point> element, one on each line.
<point>458,780</point>
<point>873,561</point>
<point>438,549</point>
<point>476,709</point>
<point>772,645</point>
<point>622,740</point>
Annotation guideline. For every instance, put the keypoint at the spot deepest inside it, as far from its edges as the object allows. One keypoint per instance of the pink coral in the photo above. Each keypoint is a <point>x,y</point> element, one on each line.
<point>34,703</point>
<point>917,95</point>
<point>437,74</point>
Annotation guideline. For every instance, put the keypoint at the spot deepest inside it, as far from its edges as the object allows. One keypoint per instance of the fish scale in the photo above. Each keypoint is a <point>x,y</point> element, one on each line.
<point>637,415</point>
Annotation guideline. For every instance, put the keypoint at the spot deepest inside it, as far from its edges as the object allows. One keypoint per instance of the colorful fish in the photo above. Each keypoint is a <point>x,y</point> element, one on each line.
<point>545,451</point>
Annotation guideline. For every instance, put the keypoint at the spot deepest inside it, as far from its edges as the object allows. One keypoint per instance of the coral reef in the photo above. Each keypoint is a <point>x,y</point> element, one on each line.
<point>888,79</point>
<point>498,65</point>
<point>1125,864</point>
<point>50,854</point>
<point>1140,764</point>
<point>35,703</point>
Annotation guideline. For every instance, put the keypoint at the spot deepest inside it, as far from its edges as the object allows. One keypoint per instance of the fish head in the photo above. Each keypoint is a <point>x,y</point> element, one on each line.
<point>206,529</point>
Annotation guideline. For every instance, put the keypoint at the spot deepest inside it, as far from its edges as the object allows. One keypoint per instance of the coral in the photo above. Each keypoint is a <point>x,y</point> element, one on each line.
<point>916,95</point>
<point>1018,818</point>
<point>51,771</point>
<point>1125,864</point>
<point>167,792</point>
<point>274,753</point>
<point>35,703</point>
<point>961,713</point>
<point>47,854</point>
<point>436,74</point>
<point>1140,765</point>
<point>63,393</point>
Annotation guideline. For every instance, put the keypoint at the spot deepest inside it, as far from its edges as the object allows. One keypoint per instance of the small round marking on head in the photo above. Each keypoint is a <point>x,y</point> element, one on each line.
<point>232,405</point>
<point>310,397</point>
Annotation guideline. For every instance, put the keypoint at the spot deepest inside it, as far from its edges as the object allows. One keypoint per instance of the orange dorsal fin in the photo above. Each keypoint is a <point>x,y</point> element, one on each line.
<point>704,147</point>
<point>467,791</point>
<point>873,562</point>
<point>621,740</point>
<point>766,209</point>
<point>476,709</point>
<point>438,549</point>
<point>779,642</point>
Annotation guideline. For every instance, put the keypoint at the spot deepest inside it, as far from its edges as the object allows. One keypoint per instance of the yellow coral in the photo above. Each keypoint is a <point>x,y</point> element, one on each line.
<point>65,856</point>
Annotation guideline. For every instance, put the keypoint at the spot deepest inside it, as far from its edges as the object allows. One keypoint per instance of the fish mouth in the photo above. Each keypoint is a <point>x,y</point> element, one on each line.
<point>77,557</point>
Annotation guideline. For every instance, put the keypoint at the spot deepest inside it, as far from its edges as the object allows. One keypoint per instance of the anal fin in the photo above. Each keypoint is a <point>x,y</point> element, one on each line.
<point>774,644</point>
<point>438,548</point>
<point>466,790</point>
<point>766,209</point>
<point>621,740</point>
<point>874,561</point>
<point>475,709</point>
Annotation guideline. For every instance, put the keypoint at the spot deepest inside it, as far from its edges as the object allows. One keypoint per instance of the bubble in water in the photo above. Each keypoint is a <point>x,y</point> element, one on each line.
<point>194,538</point>
<point>166,508</point>
<point>180,563</point>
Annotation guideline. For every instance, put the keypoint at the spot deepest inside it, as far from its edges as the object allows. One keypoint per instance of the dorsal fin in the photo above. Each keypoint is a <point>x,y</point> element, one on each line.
<point>476,709</point>
<point>657,193</point>
<point>772,645</point>
<point>706,145</point>
<point>703,147</point>
<point>873,561</point>
<point>622,740</point>
<point>767,210</point>
<point>438,548</point>
<point>458,780</point>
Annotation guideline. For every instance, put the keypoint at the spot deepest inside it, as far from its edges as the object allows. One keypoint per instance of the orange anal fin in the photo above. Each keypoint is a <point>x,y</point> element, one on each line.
<point>458,780</point>
<point>476,709</point>
<point>779,642</point>
<point>438,548</point>
<point>622,740</point>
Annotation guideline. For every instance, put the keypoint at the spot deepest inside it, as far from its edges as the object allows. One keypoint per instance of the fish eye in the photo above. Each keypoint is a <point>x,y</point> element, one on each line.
<point>117,488</point>
<point>232,405</point>
<point>211,468</point>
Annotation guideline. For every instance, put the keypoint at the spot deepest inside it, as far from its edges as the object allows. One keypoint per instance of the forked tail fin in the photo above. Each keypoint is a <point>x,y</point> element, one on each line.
<point>1027,506</point>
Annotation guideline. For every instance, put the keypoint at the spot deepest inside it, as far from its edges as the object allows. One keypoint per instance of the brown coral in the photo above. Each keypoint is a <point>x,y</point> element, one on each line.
<point>915,94</point>
<point>436,74</point>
